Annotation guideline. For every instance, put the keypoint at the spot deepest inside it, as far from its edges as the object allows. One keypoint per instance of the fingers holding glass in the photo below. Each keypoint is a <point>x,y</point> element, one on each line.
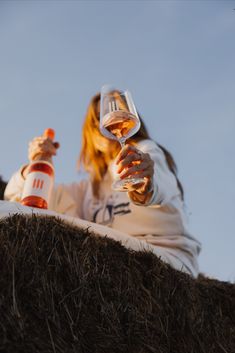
<point>136,169</point>
<point>128,161</point>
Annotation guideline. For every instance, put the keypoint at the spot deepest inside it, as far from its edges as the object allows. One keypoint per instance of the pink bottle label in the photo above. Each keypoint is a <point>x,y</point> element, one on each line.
<point>38,184</point>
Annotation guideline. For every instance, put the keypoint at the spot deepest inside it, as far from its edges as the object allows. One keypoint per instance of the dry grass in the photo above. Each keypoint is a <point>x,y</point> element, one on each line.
<point>64,290</point>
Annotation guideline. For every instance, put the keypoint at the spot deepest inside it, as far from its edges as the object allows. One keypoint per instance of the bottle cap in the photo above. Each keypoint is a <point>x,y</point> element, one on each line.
<point>50,133</point>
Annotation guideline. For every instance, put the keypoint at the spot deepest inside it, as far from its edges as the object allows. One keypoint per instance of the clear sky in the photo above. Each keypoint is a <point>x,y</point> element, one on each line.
<point>176,57</point>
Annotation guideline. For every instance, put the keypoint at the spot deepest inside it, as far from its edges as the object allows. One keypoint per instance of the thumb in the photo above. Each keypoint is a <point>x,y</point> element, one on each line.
<point>56,144</point>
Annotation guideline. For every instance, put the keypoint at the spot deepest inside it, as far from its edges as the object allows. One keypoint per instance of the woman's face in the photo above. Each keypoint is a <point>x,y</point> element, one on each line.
<point>101,143</point>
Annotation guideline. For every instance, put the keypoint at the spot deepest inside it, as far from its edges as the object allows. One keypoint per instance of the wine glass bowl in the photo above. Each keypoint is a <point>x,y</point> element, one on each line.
<point>119,119</point>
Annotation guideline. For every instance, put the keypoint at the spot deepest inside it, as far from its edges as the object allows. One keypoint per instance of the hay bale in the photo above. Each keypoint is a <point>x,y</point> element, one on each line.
<point>64,290</point>
<point>2,187</point>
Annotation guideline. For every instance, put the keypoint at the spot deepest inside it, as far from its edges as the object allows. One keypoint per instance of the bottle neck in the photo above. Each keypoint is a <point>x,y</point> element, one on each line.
<point>43,157</point>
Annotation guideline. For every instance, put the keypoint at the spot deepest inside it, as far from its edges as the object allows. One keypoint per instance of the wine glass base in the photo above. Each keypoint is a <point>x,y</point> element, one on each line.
<point>128,184</point>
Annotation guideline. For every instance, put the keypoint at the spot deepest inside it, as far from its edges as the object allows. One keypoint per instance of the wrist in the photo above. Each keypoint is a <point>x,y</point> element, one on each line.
<point>141,198</point>
<point>24,171</point>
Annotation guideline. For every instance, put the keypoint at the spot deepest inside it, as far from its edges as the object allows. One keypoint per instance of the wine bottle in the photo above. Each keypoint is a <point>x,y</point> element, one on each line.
<point>40,179</point>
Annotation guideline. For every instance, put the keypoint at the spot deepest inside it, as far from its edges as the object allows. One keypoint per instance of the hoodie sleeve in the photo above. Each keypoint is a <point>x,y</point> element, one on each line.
<point>164,182</point>
<point>68,198</point>
<point>15,186</point>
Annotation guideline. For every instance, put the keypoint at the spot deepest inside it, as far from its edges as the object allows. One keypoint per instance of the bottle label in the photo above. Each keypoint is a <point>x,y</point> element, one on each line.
<point>38,184</point>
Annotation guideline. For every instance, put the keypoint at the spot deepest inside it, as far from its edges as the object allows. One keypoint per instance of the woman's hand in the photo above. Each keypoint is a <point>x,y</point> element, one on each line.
<point>133,162</point>
<point>42,146</point>
<point>38,147</point>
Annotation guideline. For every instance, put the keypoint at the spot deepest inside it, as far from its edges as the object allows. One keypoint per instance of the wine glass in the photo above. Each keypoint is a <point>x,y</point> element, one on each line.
<point>119,121</point>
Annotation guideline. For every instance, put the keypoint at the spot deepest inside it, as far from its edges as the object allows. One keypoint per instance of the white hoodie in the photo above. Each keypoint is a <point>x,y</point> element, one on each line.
<point>161,223</point>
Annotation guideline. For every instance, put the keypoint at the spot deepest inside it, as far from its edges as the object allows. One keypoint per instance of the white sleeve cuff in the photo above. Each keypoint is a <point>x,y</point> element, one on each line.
<point>15,186</point>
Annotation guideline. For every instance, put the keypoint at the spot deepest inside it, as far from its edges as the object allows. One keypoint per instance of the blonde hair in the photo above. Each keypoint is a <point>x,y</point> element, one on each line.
<point>96,162</point>
<point>93,160</point>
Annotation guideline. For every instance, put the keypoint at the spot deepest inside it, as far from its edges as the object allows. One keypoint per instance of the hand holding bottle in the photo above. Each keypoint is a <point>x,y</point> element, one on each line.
<point>43,147</point>
<point>39,174</point>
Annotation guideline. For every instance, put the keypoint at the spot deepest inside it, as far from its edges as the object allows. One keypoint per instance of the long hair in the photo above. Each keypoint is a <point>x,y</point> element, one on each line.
<point>95,162</point>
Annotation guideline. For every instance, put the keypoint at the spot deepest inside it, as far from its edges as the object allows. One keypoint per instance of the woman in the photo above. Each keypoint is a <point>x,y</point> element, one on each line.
<point>152,212</point>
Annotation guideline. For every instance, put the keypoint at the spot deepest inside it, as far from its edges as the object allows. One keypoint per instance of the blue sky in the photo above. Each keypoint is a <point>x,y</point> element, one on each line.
<point>176,57</point>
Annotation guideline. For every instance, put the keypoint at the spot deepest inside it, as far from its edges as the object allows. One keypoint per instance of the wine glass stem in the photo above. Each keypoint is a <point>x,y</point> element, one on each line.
<point>122,143</point>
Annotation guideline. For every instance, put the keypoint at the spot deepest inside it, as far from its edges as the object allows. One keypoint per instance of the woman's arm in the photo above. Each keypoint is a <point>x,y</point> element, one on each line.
<point>15,186</point>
